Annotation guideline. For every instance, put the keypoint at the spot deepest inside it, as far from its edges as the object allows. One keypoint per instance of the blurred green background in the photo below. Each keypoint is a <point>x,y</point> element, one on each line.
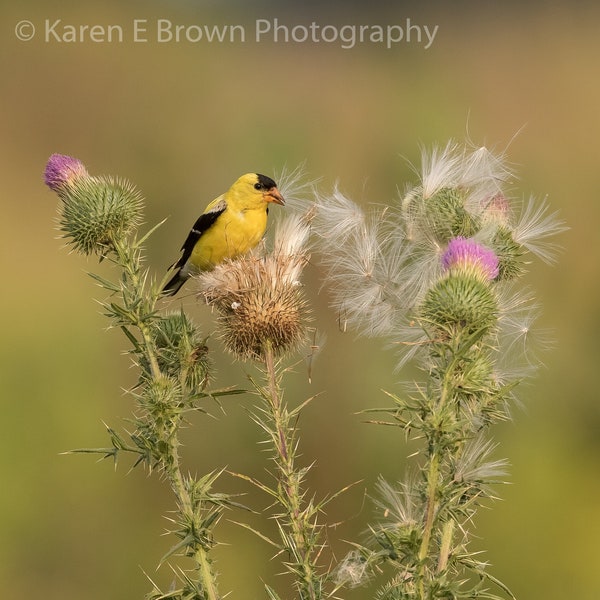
<point>182,120</point>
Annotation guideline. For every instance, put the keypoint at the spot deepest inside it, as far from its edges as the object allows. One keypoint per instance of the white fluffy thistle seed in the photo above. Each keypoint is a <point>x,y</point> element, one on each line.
<point>533,228</point>
<point>381,263</point>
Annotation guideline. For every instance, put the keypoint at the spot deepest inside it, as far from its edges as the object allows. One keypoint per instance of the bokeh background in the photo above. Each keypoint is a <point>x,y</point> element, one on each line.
<point>182,120</point>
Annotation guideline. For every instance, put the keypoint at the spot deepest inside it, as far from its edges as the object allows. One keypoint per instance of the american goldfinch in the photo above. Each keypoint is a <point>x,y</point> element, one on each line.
<point>231,224</point>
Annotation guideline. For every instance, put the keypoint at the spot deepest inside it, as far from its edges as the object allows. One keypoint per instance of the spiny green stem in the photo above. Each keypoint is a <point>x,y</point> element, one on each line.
<point>206,574</point>
<point>290,480</point>
<point>129,261</point>
<point>279,418</point>
<point>286,460</point>
<point>432,484</point>
<point>433,475</point>
<point>178,484</point>
<point>150,353</point>
<point>445,545</point>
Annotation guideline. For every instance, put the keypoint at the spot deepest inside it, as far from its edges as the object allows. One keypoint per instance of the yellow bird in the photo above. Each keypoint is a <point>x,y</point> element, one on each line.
<point>231,224</point>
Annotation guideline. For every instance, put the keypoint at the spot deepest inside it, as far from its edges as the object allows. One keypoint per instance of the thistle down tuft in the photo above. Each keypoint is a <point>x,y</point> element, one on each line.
<point>383,266</point>
<point>259,296</point>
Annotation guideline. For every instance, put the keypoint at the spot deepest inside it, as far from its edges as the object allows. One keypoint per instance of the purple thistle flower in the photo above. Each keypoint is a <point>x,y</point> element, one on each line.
<point>62,170</point>
<point>467,253</point>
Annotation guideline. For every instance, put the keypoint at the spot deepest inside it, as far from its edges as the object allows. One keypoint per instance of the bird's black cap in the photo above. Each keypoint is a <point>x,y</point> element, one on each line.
<point>265,181</point>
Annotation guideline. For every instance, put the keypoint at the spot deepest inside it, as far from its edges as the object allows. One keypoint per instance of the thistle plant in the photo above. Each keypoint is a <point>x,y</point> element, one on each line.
<point>263,318</point>
<point>100,216</point>
<point>436,274</point>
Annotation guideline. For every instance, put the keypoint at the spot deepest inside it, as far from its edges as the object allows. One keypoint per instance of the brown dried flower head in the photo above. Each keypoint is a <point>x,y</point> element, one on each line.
<point>259,296</point>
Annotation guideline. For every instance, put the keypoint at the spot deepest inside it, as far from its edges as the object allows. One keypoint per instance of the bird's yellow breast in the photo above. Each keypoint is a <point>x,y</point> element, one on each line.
<point>234,233</point>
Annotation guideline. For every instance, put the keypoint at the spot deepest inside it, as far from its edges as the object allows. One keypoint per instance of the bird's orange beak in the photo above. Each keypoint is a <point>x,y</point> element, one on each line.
<point>273,195</point>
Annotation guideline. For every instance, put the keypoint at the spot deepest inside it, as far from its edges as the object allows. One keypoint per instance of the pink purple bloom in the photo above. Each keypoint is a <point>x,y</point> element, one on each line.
<point>62,170</point>
<point>467,253</point>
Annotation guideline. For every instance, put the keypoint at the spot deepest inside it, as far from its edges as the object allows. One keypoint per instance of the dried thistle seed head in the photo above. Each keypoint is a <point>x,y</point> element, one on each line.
<point>259,304</point>
<point>259,298</point>
<point>534,228</point>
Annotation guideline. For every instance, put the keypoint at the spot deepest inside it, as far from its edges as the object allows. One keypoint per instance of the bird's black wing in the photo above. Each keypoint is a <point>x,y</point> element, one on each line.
<point>204,222</point>
<point>201,225</point>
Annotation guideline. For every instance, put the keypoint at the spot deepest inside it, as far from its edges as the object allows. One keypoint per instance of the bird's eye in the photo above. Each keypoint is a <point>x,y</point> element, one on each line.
<point>258,186</point>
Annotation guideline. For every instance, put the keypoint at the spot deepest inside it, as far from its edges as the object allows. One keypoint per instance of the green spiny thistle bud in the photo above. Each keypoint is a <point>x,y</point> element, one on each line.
<point>474,381</point>
<point>162,402</point>
<point>462,302</point>
<point>96,212</point>
<point>447,217</point>
<point>463,299</point>
<point>510,254</point>
<point>181,350</point>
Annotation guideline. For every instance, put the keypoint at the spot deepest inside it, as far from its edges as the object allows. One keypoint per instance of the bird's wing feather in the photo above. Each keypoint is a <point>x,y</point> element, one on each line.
<point>214,210</point>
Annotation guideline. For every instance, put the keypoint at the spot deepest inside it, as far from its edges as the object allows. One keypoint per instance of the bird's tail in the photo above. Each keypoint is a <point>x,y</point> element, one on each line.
<point>172,286</point>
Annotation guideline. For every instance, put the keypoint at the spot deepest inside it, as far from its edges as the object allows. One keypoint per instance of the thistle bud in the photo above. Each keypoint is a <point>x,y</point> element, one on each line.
<point>463,298</point>
<point>181,350</point>
<point>447,216</point>
<point>510,254</point>
<point>96,212</point>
